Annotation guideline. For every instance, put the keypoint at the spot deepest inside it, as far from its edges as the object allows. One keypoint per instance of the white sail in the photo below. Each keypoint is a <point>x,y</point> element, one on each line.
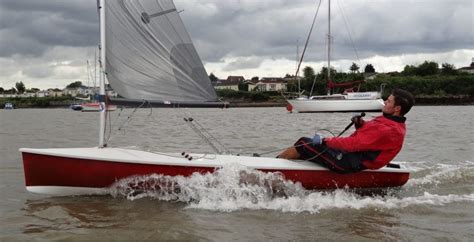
<point>150,55</point>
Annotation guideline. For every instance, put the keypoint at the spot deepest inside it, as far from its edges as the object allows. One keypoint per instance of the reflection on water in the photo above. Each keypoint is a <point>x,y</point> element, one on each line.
<point>71,214</point>
<point>374,224</point>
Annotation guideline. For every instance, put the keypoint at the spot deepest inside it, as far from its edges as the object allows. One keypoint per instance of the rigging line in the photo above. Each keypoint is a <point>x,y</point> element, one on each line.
<point>128,120</point>
<point>189,121</point>
<point>212,137</point>
<point>307,40</point>
<point>280,149</point>
<point>312,87</point>
<point>348,30</point>
<point>206,156</point>
<point>201,131</point>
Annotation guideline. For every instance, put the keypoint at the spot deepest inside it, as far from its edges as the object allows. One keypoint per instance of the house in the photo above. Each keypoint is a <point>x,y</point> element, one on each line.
<point>55,92</point>
<point>83,91</point>
<point>468,69</point>
<point>232,82</point>
<point>271,84</point>
<point>43,93</point>
<point>370,75</point>
<point>70,91</point>
<point>28,93</point>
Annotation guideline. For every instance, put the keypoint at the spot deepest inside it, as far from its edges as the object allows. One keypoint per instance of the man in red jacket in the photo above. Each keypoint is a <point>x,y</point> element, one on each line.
<point>372,146</point>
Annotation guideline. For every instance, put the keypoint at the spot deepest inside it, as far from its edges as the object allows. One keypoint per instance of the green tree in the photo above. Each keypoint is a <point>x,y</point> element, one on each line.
<point>213,78</point>
<point>2,90</point>
<point>448,69</point>
<point>428,68</point>
<point>10,91</point>
<point>308,72</point>
<point>354,68</point>
<point>409,70</point>
<point>369,68</point>
<point>324,73</point>
<point>74,85</point>
<point>20,87</point>
<point>243,86</point>
<point>254,79</point>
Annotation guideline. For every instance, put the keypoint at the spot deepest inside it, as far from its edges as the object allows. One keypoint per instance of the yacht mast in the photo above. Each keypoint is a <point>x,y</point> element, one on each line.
<point>329,46</point>
<point>103,107</point>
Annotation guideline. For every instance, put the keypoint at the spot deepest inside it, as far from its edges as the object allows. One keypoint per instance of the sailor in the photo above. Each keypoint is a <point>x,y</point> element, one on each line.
<point>372,146</point>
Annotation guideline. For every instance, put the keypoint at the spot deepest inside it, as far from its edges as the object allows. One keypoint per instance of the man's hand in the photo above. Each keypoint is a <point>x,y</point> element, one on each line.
<point>317,139</point>
<point>358,121</point>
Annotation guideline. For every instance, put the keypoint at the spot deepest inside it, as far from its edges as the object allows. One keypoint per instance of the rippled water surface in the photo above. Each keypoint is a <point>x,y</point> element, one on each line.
<point>436,203</point>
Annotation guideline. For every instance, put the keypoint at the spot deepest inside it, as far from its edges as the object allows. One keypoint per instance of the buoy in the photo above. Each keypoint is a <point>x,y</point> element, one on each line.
<point>289,107</point>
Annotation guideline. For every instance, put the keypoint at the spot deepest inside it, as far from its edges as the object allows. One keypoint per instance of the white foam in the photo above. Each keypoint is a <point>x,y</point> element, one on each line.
<point>234,188</point>
<point>442,173</point>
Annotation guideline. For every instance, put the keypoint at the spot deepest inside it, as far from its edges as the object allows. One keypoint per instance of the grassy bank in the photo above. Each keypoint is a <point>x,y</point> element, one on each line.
<point>37,102</point>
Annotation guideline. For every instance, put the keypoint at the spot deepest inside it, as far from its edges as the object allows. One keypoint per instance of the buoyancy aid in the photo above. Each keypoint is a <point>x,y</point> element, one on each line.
<point>383,136</point>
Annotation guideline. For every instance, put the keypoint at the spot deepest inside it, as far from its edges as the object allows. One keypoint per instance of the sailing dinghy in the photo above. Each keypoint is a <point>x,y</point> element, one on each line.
<point>146,54</point>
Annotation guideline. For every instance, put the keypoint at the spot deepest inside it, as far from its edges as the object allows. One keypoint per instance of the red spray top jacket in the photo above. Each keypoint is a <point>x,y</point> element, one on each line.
<point>384,135</point>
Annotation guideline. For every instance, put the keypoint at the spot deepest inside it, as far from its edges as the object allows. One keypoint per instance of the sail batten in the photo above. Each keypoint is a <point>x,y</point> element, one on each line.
<point>150,55</point>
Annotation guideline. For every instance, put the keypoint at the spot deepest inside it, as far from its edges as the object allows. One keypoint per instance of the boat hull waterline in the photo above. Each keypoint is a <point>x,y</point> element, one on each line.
<point>82,171</point>
<point>344,105</point>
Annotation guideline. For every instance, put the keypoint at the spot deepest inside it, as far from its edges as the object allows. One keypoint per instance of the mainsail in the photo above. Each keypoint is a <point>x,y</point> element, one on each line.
<point>150,55</point>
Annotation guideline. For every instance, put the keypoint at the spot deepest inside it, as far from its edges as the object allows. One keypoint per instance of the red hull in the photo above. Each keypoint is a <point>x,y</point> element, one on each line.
<point>45,170</point>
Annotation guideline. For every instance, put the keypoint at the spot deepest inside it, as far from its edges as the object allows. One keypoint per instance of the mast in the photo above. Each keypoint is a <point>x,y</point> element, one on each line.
<point>329,47</point>
<point>297,63</point>
<point>103,107</point>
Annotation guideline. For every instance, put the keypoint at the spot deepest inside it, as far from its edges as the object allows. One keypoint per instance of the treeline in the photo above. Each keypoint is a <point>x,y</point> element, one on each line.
<point>38,102</point>
<point>429,82</point>
<point>426,79</point>
<point>245,96</point>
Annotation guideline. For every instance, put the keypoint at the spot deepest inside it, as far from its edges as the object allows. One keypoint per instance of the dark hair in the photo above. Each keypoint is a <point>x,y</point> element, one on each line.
<point>403,99</point>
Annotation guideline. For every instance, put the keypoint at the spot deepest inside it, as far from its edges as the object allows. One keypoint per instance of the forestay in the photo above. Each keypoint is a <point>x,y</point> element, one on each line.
<point>150,55</point>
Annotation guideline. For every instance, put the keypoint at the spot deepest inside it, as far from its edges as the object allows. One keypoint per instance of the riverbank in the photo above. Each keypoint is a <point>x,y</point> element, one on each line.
<point>238,103</point>
<point>420,101</point>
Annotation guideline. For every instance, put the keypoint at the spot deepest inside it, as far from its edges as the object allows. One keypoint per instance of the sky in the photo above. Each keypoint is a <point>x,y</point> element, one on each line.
<point>47,43</point>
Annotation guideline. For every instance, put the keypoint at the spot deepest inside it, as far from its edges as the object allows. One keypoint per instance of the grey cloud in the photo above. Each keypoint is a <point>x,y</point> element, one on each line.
<point>243,63</point>
<point>244,28</point>
<point>383,27</point>
<point>31,27</point>
<point>37,71</point>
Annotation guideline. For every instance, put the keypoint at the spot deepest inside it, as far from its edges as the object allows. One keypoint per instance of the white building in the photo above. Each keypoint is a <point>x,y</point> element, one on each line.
<point>271,84</point>
<point>232,83</point>
<point>468,69</point>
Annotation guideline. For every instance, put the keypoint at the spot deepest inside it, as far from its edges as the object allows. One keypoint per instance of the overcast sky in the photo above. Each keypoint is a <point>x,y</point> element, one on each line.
<point>46,43</point>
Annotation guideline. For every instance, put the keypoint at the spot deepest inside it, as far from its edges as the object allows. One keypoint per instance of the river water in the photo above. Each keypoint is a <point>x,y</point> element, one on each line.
<point>435,204</point>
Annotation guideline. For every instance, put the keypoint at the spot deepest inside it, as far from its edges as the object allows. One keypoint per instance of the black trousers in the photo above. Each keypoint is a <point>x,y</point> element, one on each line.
<point>334,160</point>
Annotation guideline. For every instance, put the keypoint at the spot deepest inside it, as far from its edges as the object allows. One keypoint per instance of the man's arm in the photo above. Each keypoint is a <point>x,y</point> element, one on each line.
<point>367,139</point>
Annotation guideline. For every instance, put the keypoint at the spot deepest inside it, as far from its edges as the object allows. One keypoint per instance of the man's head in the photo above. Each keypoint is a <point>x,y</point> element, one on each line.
<point>398,103</point>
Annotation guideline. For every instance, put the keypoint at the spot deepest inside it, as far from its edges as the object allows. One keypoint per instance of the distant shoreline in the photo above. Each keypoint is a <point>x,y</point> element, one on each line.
<point>420,101</point>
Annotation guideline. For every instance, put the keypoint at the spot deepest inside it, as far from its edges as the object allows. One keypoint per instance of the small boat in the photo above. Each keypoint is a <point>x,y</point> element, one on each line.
<point>76,107</point>
<point>351,101</point>
<point>92,107</point>
<point>172,75</point>
<point>8,106</point>
<point>96,107</point>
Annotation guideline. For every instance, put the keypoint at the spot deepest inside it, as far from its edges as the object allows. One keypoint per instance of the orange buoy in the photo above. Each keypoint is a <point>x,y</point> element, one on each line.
<point>289,107</point>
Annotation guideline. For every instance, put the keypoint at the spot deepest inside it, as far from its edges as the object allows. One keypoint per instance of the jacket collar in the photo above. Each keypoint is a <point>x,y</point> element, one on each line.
<point>398,119</point>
